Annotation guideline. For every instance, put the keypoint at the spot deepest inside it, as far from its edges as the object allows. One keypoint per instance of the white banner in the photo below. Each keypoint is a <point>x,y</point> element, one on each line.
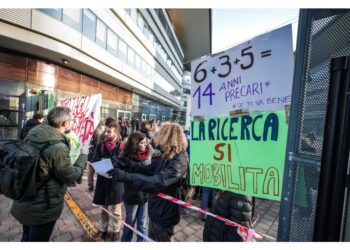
<point>86,111</point>
<point>253,76</point>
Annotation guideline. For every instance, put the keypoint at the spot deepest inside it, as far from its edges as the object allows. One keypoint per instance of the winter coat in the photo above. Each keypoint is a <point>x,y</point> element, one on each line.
<point>123,129</point>
<point>57,174</point>
<point>134,196</point>
<point>31,123</point>
<point>162,175</point>
<point>107,192</point>
<point>97,137</point>
<point>146,133</point>
<point>235,207</point>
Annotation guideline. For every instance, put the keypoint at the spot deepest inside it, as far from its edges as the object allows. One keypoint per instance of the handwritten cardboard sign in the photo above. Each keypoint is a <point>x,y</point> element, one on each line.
<point>86,111</point>
<point>253,76</point>
<point>243,154</point>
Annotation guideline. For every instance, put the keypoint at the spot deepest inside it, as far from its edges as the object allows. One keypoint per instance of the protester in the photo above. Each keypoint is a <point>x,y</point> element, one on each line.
<point>128,126</point>
<point>235,207</point>
<point>145,129</point>
<point>135,124</point>
<point>123,129</point>
<point>162,175</point>
<point>31,123</point>
<point>186,188</point>
<point>97,137</point>
<point>108,192</point>
<point>136,149</point>
<point>153,128</point>
<point>208,196</point>
<point>39,215</point>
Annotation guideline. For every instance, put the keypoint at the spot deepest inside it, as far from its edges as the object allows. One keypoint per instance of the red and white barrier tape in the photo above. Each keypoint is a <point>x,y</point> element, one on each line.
<point>123,222</point>
<point>246,233</point>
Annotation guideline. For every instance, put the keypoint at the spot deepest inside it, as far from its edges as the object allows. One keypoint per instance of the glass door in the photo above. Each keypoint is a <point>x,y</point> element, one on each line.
<point>10,117</point>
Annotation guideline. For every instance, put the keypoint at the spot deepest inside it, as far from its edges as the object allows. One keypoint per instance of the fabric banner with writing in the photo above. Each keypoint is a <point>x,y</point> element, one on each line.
<point>86,111</point>
<point>242,154</point>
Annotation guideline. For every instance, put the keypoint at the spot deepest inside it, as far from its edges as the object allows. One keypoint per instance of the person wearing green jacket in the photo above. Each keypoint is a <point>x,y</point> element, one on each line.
<point>39,215</point>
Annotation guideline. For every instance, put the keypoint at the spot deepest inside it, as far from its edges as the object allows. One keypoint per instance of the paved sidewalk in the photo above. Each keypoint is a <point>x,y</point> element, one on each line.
<point>68,228</point>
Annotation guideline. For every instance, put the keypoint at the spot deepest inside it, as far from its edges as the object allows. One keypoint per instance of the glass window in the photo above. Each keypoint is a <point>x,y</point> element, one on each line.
<point>89,24</point>
<point>56,13</point>
<point>140,21</point>
<point>154,75</point>
<point>149,71</point>
<point>168,61</point>
<point>122,50</point>
<point>146,30</point>
<point>73,17</point>
<point>128,11</point>
<point>133,15</point>
<point>131,57</point>
<point>186,91</point>
<point>101,33</point>
<point>138,63</point>
<point>112,42</point>
<point>143,67</point>
<point>151,38</point>
<point>9,116</point>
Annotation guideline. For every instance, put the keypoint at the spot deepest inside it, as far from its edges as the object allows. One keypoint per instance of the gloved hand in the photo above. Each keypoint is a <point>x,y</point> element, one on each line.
<point>123,163</point>
<point>117,174</point>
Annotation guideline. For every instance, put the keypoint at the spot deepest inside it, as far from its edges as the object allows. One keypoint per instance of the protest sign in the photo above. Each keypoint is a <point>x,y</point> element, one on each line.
<point>86,112</point>
<point>243,154</point>
<point>253,76</point>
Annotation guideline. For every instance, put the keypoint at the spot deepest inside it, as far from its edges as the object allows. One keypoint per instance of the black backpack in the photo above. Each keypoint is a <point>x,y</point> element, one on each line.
<point>20,162</point>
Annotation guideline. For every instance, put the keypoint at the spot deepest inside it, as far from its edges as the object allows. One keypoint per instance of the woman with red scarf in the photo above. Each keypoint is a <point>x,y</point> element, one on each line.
<point>136,149</point>
<point>109,193</point>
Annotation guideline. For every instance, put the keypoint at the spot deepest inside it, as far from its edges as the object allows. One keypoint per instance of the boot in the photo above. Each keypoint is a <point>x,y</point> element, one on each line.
<point>115,236</point>
<point>101,235</point>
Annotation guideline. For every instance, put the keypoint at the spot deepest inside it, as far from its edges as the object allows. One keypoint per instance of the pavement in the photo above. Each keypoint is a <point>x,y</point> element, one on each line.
<point>190,228</point>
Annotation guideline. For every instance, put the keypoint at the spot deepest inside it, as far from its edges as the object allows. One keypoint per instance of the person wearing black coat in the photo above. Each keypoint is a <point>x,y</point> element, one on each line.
<point>31,123</point>
<point>235,207</point>
<point>109,192</point>
<point>122,126</point>
<point>164,175</point>
<point>136,149</point>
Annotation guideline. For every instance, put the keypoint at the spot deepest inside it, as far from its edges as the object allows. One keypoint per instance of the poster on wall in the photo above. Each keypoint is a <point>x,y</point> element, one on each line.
<point>253,76</point>
<point>86,111</point>
<point>243,154</point>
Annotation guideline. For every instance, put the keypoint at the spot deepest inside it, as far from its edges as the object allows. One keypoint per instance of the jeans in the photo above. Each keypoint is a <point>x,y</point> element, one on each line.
<point>138,214</point>
<point>161,233</point>
<point>207,193</point>
<point>104,218</point>
<point>38,233</point>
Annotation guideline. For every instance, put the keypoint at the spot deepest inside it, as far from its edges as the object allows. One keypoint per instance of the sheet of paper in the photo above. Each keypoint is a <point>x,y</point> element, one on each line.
<point>101,167</point>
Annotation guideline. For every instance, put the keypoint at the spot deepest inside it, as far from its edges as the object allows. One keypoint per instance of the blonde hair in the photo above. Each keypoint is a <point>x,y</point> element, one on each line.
<point>171,139</point>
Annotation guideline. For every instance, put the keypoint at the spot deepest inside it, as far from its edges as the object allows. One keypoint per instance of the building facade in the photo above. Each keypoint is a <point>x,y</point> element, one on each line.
<point>185,104</point>
<point>131,56</point>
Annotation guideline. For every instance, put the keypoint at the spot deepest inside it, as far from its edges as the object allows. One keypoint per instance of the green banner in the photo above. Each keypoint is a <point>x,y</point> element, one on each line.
<point>242,154</point>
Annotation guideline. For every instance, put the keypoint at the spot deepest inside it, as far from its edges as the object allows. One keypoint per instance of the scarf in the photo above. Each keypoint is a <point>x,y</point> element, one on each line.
<point>110,145</point>
<point>140,156</point>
